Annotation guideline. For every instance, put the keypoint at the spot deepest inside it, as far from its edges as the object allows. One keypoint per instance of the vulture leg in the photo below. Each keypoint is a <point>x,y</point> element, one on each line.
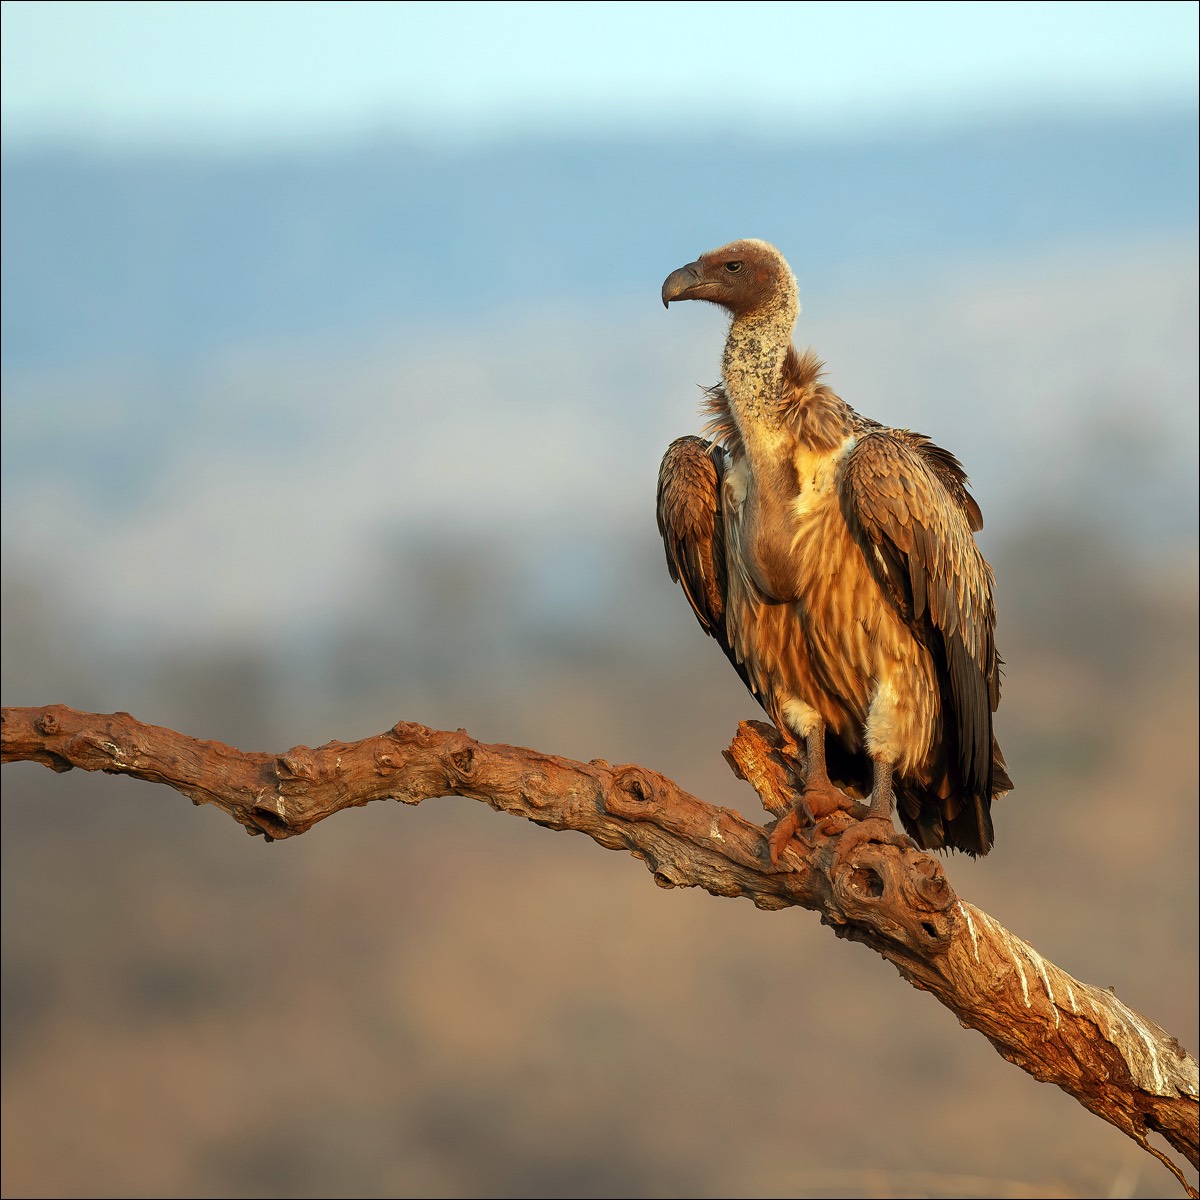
<point>881,792</point>
<point>866,829</point>
<point>819,798</point>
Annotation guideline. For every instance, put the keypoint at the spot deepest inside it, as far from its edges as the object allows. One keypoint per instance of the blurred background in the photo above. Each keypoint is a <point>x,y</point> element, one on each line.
<point>335,380</point>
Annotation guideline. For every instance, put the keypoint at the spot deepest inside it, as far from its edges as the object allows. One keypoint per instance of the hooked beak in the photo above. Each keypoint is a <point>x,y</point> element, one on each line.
<point>681,284</point>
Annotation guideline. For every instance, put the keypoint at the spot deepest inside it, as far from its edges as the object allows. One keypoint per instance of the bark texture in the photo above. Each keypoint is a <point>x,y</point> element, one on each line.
<point>868,882</point>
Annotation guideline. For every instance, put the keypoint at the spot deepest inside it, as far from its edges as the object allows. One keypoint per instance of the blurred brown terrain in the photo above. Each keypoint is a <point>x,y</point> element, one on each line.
<point>442,1001</point>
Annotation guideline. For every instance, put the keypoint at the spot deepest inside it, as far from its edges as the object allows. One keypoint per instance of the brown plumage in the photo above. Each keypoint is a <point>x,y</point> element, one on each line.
<point>834,562</point>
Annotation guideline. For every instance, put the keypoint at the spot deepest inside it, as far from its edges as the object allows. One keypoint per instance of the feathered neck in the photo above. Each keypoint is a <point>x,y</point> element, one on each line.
<point>755,351</point>
<point>808,411</point>
<point>770,396</point>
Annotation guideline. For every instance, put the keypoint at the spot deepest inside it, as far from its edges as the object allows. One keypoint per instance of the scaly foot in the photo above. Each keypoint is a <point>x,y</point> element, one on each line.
<point>819,799</point>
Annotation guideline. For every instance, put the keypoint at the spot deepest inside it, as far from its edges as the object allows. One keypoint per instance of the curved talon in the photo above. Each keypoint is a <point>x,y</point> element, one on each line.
<point>835,824</point>
<point>786,827</point>
<point>826,800</point>
<point>814,807</point>
<point>869,829</point>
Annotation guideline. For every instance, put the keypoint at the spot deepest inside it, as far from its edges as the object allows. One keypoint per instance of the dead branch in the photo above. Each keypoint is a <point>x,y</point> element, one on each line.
<point>868,882</point>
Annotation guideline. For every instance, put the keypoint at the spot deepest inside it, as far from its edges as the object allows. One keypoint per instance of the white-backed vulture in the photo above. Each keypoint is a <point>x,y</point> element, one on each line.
<point>835,563</point>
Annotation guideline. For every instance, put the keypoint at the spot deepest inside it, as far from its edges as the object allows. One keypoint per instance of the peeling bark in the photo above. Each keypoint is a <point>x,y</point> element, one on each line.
<point>869,882</point>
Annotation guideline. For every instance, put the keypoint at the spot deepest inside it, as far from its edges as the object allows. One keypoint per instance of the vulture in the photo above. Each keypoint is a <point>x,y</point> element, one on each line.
<point>834,561</point>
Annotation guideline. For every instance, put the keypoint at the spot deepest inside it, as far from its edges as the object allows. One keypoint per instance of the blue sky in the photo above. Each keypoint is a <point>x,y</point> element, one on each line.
<point>136,73</point>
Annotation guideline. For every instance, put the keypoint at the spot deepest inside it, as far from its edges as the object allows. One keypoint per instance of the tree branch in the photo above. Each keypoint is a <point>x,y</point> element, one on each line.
<point>868,882</point>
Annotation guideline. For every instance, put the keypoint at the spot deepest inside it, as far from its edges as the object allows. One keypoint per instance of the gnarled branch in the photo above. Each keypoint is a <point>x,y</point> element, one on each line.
<point>870,883</point>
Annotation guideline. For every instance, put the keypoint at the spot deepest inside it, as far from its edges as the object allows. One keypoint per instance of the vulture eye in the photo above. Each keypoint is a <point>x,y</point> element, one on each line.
<point>733,267</point>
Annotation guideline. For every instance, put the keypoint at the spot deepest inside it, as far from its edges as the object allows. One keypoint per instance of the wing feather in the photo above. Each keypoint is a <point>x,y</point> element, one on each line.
<point>906,503</point>
<point>692,525</point>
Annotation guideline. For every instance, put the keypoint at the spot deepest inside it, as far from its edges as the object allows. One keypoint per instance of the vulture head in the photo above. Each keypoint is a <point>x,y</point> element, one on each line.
<point>746,277</point>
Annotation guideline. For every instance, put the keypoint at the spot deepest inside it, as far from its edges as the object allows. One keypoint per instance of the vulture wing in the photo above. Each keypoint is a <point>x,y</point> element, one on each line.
<point>692,525</point>
<point>906,504</point>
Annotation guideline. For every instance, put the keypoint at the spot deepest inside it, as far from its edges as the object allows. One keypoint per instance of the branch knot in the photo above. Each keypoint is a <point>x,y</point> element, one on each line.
<point>632,795</point>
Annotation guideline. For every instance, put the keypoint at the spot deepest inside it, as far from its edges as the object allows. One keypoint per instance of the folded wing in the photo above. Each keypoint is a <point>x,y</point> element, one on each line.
<point>906,504</point>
